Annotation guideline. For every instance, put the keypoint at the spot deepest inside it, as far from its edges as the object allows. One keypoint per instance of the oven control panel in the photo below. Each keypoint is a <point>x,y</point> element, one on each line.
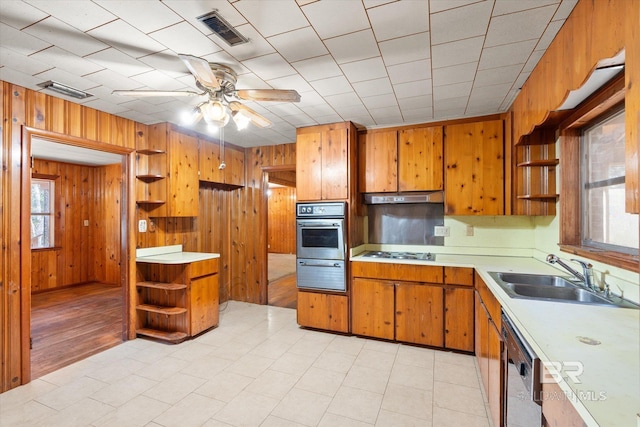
<point>318,210</point>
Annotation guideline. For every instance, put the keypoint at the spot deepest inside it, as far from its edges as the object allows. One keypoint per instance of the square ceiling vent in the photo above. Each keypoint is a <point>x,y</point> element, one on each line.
<point>222,28</point>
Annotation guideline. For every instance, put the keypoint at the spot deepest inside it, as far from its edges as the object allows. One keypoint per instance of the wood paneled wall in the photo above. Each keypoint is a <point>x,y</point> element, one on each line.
<point>282,220</point>
<point>595,30</point>
<point>82,253</point>
<point>22,107</point>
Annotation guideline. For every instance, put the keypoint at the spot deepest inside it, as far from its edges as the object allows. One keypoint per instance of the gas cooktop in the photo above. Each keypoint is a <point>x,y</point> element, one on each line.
<point>419,256</point>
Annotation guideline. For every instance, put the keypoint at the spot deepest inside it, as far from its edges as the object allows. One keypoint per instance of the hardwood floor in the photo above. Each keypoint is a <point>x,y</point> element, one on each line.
<point>71,324</point>
<point>283,292</point>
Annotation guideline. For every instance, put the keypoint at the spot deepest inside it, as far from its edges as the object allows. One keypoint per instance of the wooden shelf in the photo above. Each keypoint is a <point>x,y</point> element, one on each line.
<point>162,285</point>
<point>174,337</point>
<point>533,163</point>
<point>151,202</point>
<point>539,197</point>
<point>169,311</point>
<point>151,152</point>
<point>150,177</point>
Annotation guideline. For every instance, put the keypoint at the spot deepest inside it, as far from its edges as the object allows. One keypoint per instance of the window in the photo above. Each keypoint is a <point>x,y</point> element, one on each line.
<point>42,218</point>
<point>605,224</point>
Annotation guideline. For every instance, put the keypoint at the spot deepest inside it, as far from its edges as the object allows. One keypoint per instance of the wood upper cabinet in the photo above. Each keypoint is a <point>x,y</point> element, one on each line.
<point>405,160</point>
<point>323,162</point>
<point>209,161</point>
<point>167,172</point>
<point>474,173</point>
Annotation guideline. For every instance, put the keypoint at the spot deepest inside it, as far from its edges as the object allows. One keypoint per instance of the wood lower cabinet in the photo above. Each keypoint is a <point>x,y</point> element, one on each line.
<point>176,301</point>
<point>558,412</point>
<point>372,314</point>
<point>419,314</point>
<point>329,312</point>
<point>458,319</point>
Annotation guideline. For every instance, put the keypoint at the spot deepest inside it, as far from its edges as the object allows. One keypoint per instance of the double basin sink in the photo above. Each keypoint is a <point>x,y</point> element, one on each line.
<point>554,288</point>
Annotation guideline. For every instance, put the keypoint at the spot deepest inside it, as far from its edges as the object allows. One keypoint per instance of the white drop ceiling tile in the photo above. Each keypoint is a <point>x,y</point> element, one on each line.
<point>460,23</point>
<point>145,15</point>
<point>448,113</point>
<point>533,60</point>
<point>142,106</point>
<point>331,20</point>
<point>157,80</point>
<point>291,82</point>
<point>310,99</point>
<point>300,120</point>
<point>362,120</point>
<point>520,26</point>
<point>21,42</point>
<point>454,74</point>
<point>386,115</point>
<point>341,100</point>
<point>564,9</point>
<point>332,86</point>
<point>451,103</point>
<point>19,78</point>
<point>66,78</point>
<point>549,34</point>
<point>410,71</point>
<point>113,80</point>
<point>26,64</point>
<point>374,3</point>
<point>166,61</point>
<point>367,69</point>
<point>489,92</point>
<point>405,49</point>
<point>415,102</point>
<point>184,38</point>
<point>380,101</point>
<point>494,76</point>
<point>286,109</point>
<point>257,45</point>
<point>269,67</point>
<point>126,38</point>
<point>503,7</point>
<point>19,15</point>
<point>352,111</point>
<point>508,54</point>
<point>83,15</point>
<point>353,47</point>
<point>273,17</point>
<point>303,2</point>
<point>458,52</point>
<point>451,91</point>
<point>419,115</point>
<point>317,110</point>
<point>59,58</point>
<point>189,81</point>
<point>318,68</point>
<point>119,62</point>
<point>330,118</point>
<point>138,117</point>
<point>410,89</point>
<point>373,87</point>
<point>521,80</point>
<point>101,105</point>
<point>63,35</point>
<point>299,44</point>
<point>440,5</point>
<point>399,19</point>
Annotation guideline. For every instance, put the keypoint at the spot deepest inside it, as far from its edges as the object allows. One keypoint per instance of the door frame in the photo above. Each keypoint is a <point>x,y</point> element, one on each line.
<point>127,244</point>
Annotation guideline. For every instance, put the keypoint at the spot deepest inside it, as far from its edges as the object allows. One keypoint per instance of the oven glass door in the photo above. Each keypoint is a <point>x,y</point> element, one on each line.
<point>321,239</point>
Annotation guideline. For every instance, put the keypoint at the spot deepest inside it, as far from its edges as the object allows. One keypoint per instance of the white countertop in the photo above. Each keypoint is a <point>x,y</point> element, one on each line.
<point>608,388</point>
<point>171,255</point>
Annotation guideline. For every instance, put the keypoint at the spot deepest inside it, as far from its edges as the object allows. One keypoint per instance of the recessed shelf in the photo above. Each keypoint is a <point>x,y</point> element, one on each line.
<point>539,197</point>
<point>544,162</point>
<point>151,152</point>
<point>162,285</point>
<point>150,177</point>
<point>169,311</point>
<point>150,202</point>
<point>174,337</point>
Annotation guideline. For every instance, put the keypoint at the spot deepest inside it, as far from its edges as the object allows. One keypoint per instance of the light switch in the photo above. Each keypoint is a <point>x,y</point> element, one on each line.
<point>86,222</point>
<point>142,226</point>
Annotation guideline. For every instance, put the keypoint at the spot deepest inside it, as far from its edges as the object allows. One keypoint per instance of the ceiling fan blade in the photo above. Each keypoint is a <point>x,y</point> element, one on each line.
<point>268,95</point>
<point>255,118</point>
<point>201,70</point>
<point>149,93</point>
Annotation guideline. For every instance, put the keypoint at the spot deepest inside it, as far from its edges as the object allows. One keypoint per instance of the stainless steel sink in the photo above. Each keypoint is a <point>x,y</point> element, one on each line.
<point>553,288</point>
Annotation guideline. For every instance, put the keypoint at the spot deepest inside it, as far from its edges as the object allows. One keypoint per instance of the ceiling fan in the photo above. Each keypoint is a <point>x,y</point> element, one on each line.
<point>218,82</point>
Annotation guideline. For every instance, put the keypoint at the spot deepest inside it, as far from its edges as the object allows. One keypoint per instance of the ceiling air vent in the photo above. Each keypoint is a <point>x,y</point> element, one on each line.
<point>222,28</point>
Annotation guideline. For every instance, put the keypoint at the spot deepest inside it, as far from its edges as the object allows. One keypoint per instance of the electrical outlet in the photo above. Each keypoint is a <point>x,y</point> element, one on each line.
<point>469,230</point>
<point>142,226</point>
<point>441,231</point>
<point>86,222</point>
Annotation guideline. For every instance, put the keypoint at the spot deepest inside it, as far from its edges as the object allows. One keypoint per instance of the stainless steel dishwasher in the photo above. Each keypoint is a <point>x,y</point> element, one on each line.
<point>522,386</point>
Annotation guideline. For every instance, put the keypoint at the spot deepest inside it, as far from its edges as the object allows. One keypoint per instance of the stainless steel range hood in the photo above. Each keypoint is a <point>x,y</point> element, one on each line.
<point>397,198</point>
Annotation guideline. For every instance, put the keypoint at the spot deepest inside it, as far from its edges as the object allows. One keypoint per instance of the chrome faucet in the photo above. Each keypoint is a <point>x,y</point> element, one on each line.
<point>587,270</point>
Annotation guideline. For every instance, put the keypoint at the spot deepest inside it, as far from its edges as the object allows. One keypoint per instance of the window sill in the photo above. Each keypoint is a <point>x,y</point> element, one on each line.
<point>52,248</point>
<point>616,259</point>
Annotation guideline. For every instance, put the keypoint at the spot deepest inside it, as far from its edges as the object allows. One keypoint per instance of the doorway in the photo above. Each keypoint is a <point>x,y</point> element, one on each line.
<point>281,239</point>
<point>78,275</point>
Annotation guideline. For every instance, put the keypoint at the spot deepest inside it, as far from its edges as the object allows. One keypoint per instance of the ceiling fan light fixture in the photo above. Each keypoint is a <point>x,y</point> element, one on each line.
<point>241,120</point>
<point>191,117</point>
<point>215,113</point>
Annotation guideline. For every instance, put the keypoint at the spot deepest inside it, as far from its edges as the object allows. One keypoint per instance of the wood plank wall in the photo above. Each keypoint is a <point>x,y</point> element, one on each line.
<point>595,30</point>
<point>23,107</point>
<point>282,220</point>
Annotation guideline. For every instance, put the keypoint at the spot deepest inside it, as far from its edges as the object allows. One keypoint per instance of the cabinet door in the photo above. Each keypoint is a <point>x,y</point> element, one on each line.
<point>419,314</point>
<point>378,162</point>
<point>323,311</point>
<point>482,341</point>
<point>335,164</point>
<point>420,164</point>
<point>209,161</point>
<point>204,303</point>
<point>182,195</point>
<point>496,373</point>
<point>474,174</point>
<point>372,308</point>
<point>458,319</point>
<point>234,173</point>
<point>309,166</point>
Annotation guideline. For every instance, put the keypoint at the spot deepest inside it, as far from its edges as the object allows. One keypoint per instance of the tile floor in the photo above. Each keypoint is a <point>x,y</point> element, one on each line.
<point>258,368</point>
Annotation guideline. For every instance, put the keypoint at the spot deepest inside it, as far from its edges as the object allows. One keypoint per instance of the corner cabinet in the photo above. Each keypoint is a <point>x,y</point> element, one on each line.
<point>405,160</point>
<point>167,173</point>
<point>474,168</point>
<point>325,155</point>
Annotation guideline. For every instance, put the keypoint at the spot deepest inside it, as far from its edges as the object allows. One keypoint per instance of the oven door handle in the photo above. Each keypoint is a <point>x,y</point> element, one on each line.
<point>326,264</point>
<point>319,225</point>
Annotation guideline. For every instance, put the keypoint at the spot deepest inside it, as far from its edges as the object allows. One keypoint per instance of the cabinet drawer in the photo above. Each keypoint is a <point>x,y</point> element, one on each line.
<point>458,276</point>
<point>404,272</point>
<point>204,268</point>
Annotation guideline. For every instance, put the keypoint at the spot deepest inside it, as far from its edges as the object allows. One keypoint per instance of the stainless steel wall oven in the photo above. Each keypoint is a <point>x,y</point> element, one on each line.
<point>321,246</point>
